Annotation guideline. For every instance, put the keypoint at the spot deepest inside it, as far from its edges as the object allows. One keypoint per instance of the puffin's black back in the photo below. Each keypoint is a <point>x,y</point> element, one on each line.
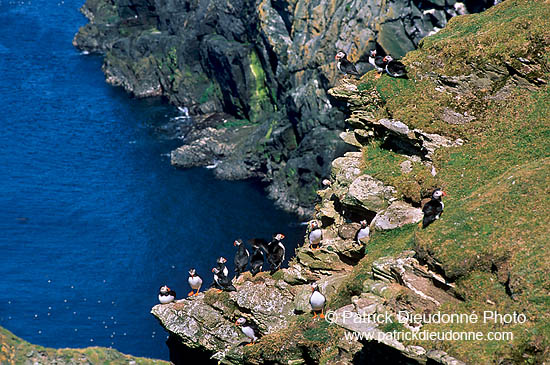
<point>241,259</point>
<point>431,209</point>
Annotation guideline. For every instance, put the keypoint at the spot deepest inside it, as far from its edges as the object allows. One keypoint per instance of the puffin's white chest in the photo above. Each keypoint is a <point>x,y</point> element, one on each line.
<point>225,271</point>
<point>165,299</point>
<point>371,61</point>
<point>249,332</point>
<point>195,282</point>
<point>317,301</point>
<point>315,236</point>
<point>338,66</point>
<point>363,233</point>
<point>442,206</point>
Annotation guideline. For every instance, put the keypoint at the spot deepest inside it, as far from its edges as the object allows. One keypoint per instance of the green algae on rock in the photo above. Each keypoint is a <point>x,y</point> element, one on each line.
<point>260,61</point>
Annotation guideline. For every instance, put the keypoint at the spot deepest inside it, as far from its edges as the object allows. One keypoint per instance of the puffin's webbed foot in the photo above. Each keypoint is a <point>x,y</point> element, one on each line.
<point>190,293</point>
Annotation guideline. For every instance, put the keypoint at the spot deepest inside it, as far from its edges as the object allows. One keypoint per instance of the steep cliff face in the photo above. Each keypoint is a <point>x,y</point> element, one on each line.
<point>472,118</point>
<point>267,64</point>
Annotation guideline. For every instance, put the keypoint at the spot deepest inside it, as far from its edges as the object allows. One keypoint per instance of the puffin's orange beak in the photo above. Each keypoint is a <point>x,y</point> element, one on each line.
<point>212,270</point>
<point>282,236</point>
<point>237,322</point>
<point>444,193</point>
<point>234,243</point>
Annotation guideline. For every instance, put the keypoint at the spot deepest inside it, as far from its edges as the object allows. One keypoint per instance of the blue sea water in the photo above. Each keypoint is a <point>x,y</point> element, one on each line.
<point>93,219</point>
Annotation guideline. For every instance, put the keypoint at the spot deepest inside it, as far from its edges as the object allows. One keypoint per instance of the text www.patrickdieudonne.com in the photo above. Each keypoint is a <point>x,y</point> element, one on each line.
<point>426,335</point>
<point>414,322</point>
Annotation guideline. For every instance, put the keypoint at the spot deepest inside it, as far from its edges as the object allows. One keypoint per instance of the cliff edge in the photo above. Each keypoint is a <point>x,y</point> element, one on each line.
<point>259,71</point>
<point>471,118</point>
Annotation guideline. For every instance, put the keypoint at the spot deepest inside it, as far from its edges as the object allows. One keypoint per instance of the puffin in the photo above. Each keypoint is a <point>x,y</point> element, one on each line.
<point>195,282</point>
<point>257,259</point>
<point>221,265</point>
<point>250,329</point>
<point>344,65</point>
<point>315,235</point>
<point>317,301</point>
<point>222,282</point>
<point>276,252</point>
<point>363,232</point>
<point>241,257</point>
<point>166,295</point>
<point>433,209</point>
<point>395,68</point>
<point>377,62</point>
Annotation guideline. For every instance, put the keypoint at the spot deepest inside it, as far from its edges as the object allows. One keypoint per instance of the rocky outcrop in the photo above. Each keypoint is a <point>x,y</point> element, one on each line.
<point>268,62</point>
<point>279,304</point>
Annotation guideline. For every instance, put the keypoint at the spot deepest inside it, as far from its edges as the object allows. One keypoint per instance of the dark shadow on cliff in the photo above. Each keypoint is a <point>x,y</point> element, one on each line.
<point>374,353</point>
<point>183,355</point>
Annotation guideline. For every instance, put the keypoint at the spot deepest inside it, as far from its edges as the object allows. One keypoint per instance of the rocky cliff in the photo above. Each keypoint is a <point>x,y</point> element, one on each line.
<point>266,65</point>
<point>14,350</point>
<point>472,118</point>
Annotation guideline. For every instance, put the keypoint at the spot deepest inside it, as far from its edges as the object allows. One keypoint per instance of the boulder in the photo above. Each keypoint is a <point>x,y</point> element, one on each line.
<point>397,215</point>
<point>369,193</point>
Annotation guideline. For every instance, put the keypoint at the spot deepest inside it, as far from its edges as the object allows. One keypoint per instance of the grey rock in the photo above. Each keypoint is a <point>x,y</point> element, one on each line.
<point>397,215</point>
<point>369,193</point>
<point>256,60</point>
<point>406,166</point>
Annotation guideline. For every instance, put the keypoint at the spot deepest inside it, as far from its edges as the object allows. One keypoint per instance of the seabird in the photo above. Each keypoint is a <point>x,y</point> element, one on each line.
<point>276,252</point>
<point>315,235</point>
<point>222,282</point>
<point>377,62</point>
<point>221,265</point>
<point>166,295</point>
<point>344,65</point>
<point>363,232</point>
<point>433,209</point>
<point>257,259</point>
<point>250,329</point>
<point>395,68</point>
<point>241,257</point>
<point>195,282</point>
<point>317,301</point>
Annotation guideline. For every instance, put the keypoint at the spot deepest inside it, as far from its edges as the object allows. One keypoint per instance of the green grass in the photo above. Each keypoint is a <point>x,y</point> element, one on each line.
<point>385,243</point>
<point>518,28</point>
<point>384,165</point>
<point>494,232</point>
<point>234,123</point>
<point>316,337</point>
<point>14,350</point>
